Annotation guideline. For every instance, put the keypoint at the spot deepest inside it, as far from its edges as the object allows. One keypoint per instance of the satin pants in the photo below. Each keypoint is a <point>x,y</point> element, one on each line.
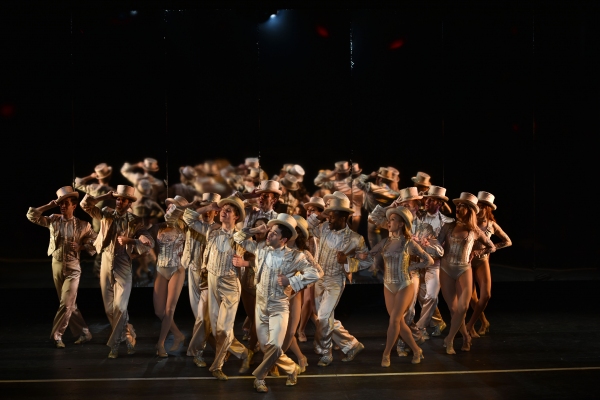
<point>328,291</point>
<point>66,281</point>
<point>116,288</point>
<point>429,289</point>
<point>272,318</point>
<point>194,290</point>
<point>223,300</point>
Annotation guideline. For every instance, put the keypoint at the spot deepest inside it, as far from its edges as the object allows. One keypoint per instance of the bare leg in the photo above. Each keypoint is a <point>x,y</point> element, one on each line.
<point>397,305</point>
<point>308,310</point>
<point>289,342</point>
<point>481,271</point>
<point>449,293</point>
<point>166,295</point>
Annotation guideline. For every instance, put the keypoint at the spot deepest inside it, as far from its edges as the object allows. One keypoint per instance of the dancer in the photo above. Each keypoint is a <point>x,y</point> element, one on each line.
<point>481,262</point>
<point>397,251</point>
<point>122,237</point>
<point>193,255</point>
<point>458,239</point>
<point>268,195</point>
<point>185,188</point>
<point>276,267</point>
<point>170,239</point>
<point>339,247</point>
<point>68,236</point>
<point>288,200</point>
<point>150,166</point>
<point>223,283</point>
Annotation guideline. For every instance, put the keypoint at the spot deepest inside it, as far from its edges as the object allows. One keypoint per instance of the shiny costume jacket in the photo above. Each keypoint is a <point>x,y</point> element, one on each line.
<point>346,186</point>
<point>375,194</point>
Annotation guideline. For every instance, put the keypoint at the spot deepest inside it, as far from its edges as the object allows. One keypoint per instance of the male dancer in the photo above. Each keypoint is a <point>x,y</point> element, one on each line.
<point>268,195</point>
<point>150,166</point>
<point>223,283</point>
<point>276,267</point>
<point>185,188</point>
<point>68,235</point>
<point>339,247</point>
<point>122,237</point>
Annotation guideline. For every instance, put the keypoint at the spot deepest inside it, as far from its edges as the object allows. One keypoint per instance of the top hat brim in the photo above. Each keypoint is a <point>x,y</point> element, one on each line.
<point>318,205</point>
<point>64,196</point>
<point>293,186</point>
<point>415,180</point>
<point>411,198</point>
<point>303,230</point>
<point>339,208</point>
<point>487,203</point>
<point>224,201</point>
<point>151,169</point>
<point>269,191</point>
<point>99,176</point>
<point>436,196</point>
<point>125,196</point>
<point>286,224</point>
<point>408,220</point>
<point>468,203</point>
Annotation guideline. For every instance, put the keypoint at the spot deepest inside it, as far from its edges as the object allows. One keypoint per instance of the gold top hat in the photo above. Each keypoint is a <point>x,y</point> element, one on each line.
<point>385,173</point>
<point>468,199</point>
<point>403,212</point>
<point>64,192</point>
<point>342,166</point>
<point>356,169</point>
<point>253,173</point>
<point>236,202</point>
<point>179,201</point>
<point>298,172</point>
<point>144,187</point>
<point>103,171</point>
<point>337,194</point>
<point>285,220</point>
<point>290,182</point>
<point>126,191</point>
<point>315,202</point>
<point>252,162</point>
<point>422,179</point>
<point>339,204</point>
<point>302,224</point>
<point>487,199</point>
<point>395,173</point>
<point>208,198</point>
<point>436,192</point>
<point>409,193</point>
<point>150,164</point>
<point>188,172</point>
<point>269,187</point>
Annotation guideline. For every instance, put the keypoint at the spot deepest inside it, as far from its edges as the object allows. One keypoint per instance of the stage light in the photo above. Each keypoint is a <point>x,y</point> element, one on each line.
<point>273,16</point>
<point>133,12</point>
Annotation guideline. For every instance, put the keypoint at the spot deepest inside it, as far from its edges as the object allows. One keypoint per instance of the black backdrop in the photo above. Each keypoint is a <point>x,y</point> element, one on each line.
<point>499,98</point>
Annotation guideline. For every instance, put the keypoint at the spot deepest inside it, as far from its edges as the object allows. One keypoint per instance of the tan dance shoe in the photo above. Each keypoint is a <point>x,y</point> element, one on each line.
<point>303,363</point>
<point>292,378</point>
<point>325,361</point>
<point>466,344</point>
<point>449,347</point>
<point>437,331</point>
<point>484,329</point>
<point>246,362</point>
<point>84,338</point>
<point>353,352</point>
<point>301,337</point>
<point>261,386</point>
<point>59,344</point>
<point>114,352</point>
<point>177,341</point>
<point>217,373</point>
<point>385,361</point>
<point>131,346</point>
<point>161,352</point>
<point>199,361</point>
<point>418,357</point>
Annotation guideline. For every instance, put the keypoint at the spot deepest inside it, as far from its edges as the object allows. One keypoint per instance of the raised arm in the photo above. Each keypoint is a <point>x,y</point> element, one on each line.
<point>35,214</point>
<point>504,239</point>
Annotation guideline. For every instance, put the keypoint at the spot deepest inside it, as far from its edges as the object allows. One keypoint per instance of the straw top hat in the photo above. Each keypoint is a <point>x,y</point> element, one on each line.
<point>208,198</point>
<point>339,204</point>
<point>487,199</point>
<point>64,192</point>
<point>469,199</point>
<point>385,173</point>
<point>436,192</point>
<point>409,193</point>
<point>210,168</point>
<point>422,179</point>
<point>127,191</point>
<point>252,162</point>
<point>337,194</point>
<point>103,171</point>
<point>342,166</point>
<point>302,224</point>
<point>188,172</point>
<point>395,173</point>
<point>179,201</point>
<point>315,202</point>
<point>356,169</point>
<point>269,187</point>
<point>290,182</point>
<point>236,202</point>
<point>150,164</point>
<point>285,220</point>
<point>403,212</point>
<point>144,187</point>
<point>298,172</point>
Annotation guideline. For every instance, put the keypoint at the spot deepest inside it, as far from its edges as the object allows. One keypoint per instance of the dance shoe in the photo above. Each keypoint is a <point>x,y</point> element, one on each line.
<point>114,352</point>
<point>161,352</point>
<point>177,341</point>
<point>131,346</point>
<point>217,373</point>
<point>437,331</point>
<point>246,336</point>
<point>418,357</point>
<point>246,363</point>
<point>484,329</point>
<point>401,348</point>
<point>292,378</point>
<point>59,344</point>
<point>466,344</point>
<point>449,347</point>
<point>199,361</point>
<point>385,361</point>
<point>84,338</point>
<point>301,337</point>
<point>303,363</point>
<point>325,361</point>
<point>261,386</point>
<point>353,352</point>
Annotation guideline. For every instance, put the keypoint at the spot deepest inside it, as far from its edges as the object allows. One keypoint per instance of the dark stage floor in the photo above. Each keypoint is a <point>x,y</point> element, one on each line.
<point>543,343</point>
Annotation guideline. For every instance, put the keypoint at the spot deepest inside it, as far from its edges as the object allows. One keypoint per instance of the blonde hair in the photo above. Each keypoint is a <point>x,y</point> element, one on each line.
<point>470,219</point>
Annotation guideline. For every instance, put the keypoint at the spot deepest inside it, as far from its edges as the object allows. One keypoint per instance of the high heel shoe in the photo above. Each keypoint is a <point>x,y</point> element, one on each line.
<point>484,329</point>
<point>466,343</point>
<point>303,363</point>
<point>177,341</point>
<point>472,333</point>
<point>417,357</point>
<point>385,361</point>
<point>161,352</point>
<point>449,347</point>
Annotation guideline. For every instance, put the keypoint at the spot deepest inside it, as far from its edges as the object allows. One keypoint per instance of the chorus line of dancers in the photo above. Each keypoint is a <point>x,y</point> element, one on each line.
<point>236,234</point>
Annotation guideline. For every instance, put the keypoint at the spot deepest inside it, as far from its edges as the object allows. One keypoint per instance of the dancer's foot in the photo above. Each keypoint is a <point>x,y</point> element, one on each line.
<point>217,373</point>
<point>199,361</point>
<point>261,386</point>
<point>385,361</point>
<point>292,378</point>
<point>246,362</point>
<point>485,328</point>
<point>86,337</point>
<point>449,346</point>
<point>301,337</point>
<point>466,343</point>
<point>160,351</point>
<point>472,332</point>
<point>437,331</point>
<point>177,341</point>
<point>59,344</point>
<point>353,352</point>
<point>417,357</point>
<point>325,361</point>
<point>303,363</point>
<point>114,352</point>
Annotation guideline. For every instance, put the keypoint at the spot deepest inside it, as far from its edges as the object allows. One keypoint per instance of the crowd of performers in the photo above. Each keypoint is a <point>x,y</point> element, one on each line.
<point>234,233</point>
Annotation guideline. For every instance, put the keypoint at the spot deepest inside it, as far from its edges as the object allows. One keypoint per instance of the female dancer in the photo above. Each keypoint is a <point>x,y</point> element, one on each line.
<point>169,237</point>
<point>397,285</point>
<point>301,243</point>
<point>481,264</point>
<point>457,286</point>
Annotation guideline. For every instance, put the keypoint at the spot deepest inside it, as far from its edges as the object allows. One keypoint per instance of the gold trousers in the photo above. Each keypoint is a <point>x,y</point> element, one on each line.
<point>66,281</point>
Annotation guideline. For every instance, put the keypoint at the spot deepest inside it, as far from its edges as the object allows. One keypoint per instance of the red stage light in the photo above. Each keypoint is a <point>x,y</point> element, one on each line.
<point>7,110</point>
<point>396,44</point>
<point>322,31</point>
